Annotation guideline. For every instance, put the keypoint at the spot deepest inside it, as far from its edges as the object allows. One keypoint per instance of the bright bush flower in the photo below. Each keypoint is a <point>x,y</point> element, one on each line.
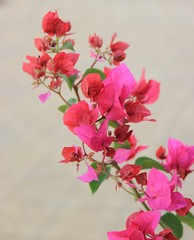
<point>53,25</point>
<point>159,192</point>
<point>80,114</point>
<point>180,157</point>
<point>146,92</point>
<point>117,87</point>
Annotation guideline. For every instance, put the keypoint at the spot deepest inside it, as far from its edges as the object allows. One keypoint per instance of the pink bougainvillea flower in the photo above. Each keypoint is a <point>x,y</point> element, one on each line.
<point>80,114</point>
<point>159,191</point>
<point>43,97</point>
<point>180,157</point>
<point>53,25</point>
<point>72,154</point>
<point>91,85</point>
<point>146,92</point>
<point>95,41</point>
<point>138,226</point>
<point>89,176</point>
<point>117,87</point>
<point>132,234</point>
<point>64,63</point>
<point>145,221</point>
<point>97,140</point>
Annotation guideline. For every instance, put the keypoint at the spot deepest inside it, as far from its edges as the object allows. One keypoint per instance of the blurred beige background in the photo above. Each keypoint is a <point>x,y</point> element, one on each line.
<point>40,198</point>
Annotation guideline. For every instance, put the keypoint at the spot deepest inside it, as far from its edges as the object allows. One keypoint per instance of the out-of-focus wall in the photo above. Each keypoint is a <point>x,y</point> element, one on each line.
<point>42,199</point>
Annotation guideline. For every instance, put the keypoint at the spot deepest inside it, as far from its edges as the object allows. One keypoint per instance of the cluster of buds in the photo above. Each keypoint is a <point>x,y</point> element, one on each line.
<point>114,53</point>
<point>112,101</point>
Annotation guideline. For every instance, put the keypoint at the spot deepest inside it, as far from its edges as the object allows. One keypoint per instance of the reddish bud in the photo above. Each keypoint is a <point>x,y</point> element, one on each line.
<point>161,153</point>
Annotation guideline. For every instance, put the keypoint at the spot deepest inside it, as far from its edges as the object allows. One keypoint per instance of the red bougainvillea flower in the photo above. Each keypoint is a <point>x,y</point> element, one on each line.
<point>129,171</point>
<point>37,66</point>
<point>117,87</point>
<point>136,112</point>
<point>95,41</point>
<point>97,140</point>
<point>80,114</point>
<point>53,25</point>
<point>43,44</point>
<point>64,63</point>
<point>138,225</point>
<point>118,49</point>
<point>89,176</point>
<point>180,157</point>
<point>146,92</point>
<point>159,192</point>
<point>91,85</point>
<point>183,211</point>
<point>122,133</point>
<point>72,154</point>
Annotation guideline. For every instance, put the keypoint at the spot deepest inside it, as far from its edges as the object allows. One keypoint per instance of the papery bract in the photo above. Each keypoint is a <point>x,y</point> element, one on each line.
<point>117,87</point>
<point>91,85</point>
<point>159,191</point>
<point>146,92</point>
<point>80,114</point>
<point>180,157</point>
<point>53,25</point>
<point>89,176</point>
<point>145,221</point>
<point>64,63</point>
<point>97,140</point>
<point>136,112</point>
<point>129,171</point>
<point>72,154</point>
<point>43,97</point>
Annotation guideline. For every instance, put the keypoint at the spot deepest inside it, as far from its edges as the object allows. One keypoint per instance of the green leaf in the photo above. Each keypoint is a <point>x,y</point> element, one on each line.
<point>68,45</point>
<point>94,70</point>
<point>113,124</point>
<point>64,107</point>
<point>70,80</point>
<point>94,185</point>
<point>72,101</point>
<point>125,145</point>
<point>148,163</point>
<point>187,219</point>
<point>169,220</point>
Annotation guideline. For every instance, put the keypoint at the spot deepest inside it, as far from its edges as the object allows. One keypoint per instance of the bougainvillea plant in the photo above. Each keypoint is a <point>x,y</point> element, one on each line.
<point>105,101</point>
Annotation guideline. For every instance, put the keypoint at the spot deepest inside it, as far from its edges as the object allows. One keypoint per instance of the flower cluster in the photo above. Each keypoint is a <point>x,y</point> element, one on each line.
<point>102,120</point>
